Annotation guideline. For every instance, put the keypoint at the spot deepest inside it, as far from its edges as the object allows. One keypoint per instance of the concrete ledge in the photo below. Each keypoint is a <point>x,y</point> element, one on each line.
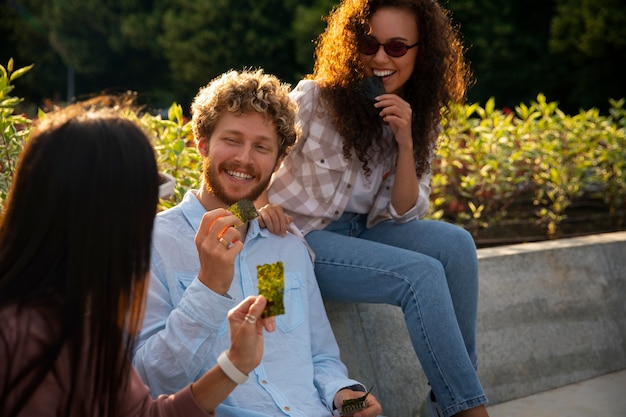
<point>550,314</point>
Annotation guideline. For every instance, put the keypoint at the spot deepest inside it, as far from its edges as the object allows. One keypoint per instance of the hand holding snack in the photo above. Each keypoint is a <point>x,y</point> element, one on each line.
<point>245,211</point>
<point>369,89</point>
<point>218,242</point>
<point>246,333</point>
<point>356,404</point>
<point>397,113</point>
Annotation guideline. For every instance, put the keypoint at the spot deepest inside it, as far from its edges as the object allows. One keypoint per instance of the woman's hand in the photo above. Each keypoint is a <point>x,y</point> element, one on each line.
<point>246,332</point>
<point>274,219</point>
<point>246,350</point>
<point>399,115</point>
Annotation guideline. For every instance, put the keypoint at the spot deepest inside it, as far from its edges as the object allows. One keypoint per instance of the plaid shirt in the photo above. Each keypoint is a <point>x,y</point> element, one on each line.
<point>314,182</point>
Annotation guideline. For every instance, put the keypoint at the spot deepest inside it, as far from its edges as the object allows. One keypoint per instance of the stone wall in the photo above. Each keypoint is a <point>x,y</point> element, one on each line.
<point>550,314</point>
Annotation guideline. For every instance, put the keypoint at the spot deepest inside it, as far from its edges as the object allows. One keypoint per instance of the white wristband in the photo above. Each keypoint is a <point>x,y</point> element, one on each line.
<point>230,369</point>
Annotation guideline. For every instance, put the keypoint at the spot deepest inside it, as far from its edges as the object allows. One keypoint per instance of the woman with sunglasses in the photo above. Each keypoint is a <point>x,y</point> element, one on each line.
<point>357,183</point>
<point>75,241</point>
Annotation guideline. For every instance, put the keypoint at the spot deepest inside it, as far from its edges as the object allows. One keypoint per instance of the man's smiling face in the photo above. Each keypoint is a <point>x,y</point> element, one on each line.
<point>239,157</point>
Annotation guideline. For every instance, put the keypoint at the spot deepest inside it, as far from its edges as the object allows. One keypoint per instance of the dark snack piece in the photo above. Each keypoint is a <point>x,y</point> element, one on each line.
<point>353,405</point>
<point>369,89</point>
<point>245,210</point>
<point>372,87</point>
<point>272,286</point>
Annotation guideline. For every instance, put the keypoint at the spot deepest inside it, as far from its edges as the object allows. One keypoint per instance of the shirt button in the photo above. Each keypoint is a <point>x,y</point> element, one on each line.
<point>286,408</point>
<point>336,211</point>
<point>349,185</point>
<point>264,382</point>
<point>322,161</point>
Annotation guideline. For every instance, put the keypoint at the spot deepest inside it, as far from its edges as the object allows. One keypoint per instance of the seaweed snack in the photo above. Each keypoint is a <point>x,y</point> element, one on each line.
<point>348,407</point>
<point>372,87</point>
<point>245,210</point>
<point>272,286</point>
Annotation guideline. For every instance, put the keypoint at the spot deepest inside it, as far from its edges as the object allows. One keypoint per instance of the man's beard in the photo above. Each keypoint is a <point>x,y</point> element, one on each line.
<point>214,187</point>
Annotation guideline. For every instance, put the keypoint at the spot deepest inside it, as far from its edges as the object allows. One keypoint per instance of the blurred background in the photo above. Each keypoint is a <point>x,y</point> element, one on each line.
<point>573,51</point>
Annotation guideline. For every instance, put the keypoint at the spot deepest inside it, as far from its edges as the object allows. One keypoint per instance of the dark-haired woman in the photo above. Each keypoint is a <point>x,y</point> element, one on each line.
<point>358,181</point>
<point>75,241</point>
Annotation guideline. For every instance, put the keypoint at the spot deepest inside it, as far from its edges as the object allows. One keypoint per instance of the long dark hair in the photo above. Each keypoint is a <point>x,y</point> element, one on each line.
<point>441,74</point>
<point>75,241</point>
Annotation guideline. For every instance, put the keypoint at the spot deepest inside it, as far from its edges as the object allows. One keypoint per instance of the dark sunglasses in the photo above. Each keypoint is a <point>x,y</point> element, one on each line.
<point>395,49</point>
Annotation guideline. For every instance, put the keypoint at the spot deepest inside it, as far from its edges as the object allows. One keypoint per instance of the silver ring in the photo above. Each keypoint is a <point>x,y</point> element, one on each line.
<point>250,319</point>
<point>224,242</point>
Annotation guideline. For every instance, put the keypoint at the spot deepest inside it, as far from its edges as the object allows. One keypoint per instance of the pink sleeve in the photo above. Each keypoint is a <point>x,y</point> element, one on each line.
<point>138,402</point>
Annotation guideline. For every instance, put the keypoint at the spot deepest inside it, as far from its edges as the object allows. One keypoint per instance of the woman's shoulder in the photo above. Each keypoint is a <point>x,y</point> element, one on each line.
<point>305,92</point>
<point>306,85</point>
<point>27,327</point>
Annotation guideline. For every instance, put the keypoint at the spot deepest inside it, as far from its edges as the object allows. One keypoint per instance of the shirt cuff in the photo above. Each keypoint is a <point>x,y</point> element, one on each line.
<point>204,305</point>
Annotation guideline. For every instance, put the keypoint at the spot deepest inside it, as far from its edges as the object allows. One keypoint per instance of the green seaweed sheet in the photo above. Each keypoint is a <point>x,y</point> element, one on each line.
<point>245,210</point>
<point>272,286</point>
<point>348,407</point>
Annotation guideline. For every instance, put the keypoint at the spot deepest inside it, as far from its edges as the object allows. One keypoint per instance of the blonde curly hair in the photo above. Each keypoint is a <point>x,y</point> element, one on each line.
<point>243,92</point>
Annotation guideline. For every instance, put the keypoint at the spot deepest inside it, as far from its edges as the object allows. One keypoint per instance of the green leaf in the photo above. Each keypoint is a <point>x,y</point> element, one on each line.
<point>179,146</point>
<point>175,112</point>
<point>17,74</point>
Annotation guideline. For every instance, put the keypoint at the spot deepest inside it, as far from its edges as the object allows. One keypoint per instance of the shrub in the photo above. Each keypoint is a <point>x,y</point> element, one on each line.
<point>14,127</point>
<point>529,166</point>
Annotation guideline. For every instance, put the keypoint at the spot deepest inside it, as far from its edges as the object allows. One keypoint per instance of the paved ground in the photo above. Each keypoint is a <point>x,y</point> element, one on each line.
<point>604,396</point>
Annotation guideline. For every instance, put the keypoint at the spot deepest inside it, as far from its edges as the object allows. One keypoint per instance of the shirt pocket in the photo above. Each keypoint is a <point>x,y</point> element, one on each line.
<point>294,302</point>
<point>184,281</point>
<point>323,169</point>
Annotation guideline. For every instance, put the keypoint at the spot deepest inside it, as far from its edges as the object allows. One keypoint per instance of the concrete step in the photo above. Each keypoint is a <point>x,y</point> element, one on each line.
<point>603,396</point>
<point>550,314</point>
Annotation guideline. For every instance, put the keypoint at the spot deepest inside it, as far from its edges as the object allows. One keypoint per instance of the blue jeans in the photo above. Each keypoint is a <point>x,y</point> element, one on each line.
<point>428,268</point>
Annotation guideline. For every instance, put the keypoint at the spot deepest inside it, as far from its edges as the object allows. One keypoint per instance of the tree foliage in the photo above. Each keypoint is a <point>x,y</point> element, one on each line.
<point>573,51</point>
<point>224,34</point>
<point>589,38</point>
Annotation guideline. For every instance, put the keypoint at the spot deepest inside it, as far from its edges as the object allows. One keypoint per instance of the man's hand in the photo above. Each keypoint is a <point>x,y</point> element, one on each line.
<point>218,242</point>
<point>274,219</point>
<point>372,409</point>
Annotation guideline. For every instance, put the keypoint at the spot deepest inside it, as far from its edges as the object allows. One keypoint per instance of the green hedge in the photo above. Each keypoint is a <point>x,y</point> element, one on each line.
<point>530,165</point>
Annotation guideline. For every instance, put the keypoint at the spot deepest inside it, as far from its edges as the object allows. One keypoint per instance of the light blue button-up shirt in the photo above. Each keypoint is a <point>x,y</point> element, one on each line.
<point>185,326</point>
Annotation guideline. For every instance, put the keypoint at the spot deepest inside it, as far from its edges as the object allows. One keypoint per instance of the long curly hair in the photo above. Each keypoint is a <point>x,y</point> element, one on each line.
<point>441,75</point>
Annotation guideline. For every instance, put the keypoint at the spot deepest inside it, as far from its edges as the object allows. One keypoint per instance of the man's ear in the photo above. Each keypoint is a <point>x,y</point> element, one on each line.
<point>203,146</point>
<point>278,162</point>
